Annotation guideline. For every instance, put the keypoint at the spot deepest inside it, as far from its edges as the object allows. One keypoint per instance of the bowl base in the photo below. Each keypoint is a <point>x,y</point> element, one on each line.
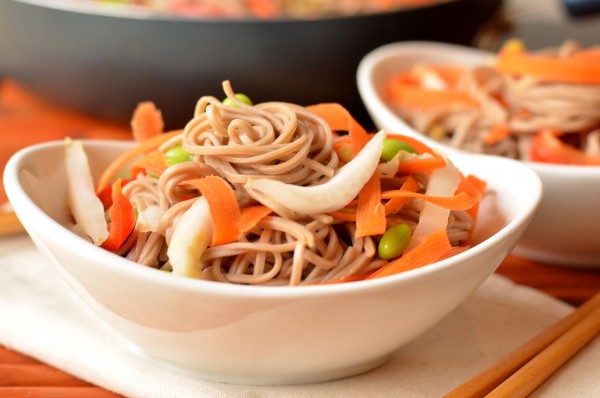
<point>272,378</point>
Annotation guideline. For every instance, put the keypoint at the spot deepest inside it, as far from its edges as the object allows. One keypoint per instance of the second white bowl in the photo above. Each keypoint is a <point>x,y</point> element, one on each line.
<point>564,230</point>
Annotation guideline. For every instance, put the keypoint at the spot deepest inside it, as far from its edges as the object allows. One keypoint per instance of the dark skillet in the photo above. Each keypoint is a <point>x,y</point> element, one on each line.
<point>104,62</point>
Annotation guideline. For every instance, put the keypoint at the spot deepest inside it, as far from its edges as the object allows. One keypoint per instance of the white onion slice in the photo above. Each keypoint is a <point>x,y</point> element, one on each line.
<point>191,236</point>
<point>85,205</point>
<point>332,195</point>
<point>149,219</point>
<point>442,182</point>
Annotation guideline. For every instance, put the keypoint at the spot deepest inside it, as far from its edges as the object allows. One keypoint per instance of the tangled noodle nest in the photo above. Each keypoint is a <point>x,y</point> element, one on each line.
<point>272,140</point>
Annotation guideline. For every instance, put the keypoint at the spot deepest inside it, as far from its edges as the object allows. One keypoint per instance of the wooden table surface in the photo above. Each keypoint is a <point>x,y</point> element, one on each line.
<point>26,119</point>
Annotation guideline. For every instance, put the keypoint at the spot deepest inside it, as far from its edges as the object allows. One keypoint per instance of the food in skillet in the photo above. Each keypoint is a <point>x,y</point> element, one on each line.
<point>273,193</point>
<point>301,9</point>
<point>541,106</point>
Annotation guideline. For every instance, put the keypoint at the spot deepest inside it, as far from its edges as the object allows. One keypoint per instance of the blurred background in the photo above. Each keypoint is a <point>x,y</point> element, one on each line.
<point>101,58</point>
<point>78,68</point>
<point>543,23</point>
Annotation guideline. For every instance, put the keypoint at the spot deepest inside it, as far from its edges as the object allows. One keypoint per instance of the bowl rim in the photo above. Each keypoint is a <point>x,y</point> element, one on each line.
<point>23,204</point>
<point>373,101</point>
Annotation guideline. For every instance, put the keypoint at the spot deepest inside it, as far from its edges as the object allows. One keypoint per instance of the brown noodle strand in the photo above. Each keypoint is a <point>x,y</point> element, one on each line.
<point>572,109</point>
<point>273,140</point>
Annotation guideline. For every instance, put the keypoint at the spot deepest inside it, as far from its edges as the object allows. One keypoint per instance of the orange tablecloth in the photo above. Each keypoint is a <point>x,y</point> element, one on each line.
<point>26,120</point>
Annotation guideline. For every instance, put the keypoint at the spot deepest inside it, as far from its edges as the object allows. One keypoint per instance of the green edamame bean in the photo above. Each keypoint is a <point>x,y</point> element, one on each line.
<point>391,147</point>
<point>394,241</point>
<point>242,97</point>
<point>177,155</point>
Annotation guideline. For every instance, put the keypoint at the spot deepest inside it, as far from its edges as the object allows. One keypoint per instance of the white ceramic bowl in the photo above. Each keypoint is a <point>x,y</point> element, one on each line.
<point>264,335</point>
<point>565,229</point>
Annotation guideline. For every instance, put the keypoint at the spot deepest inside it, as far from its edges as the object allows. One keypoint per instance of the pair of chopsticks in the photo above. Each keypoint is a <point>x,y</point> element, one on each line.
<point>10,224</point>
<point>524,369</point>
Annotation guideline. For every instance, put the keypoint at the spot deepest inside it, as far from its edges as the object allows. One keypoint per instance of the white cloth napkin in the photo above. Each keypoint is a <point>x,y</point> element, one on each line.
<point>41,317</point>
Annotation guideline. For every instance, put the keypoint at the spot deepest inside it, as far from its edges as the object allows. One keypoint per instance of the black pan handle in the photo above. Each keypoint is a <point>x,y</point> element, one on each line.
<point>582,7</point>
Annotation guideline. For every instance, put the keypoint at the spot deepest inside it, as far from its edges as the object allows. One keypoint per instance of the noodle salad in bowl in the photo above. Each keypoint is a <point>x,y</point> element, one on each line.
<point>270,194</point>
<point>271,231</point>
<point>271,8</point>
<point>539,107</point>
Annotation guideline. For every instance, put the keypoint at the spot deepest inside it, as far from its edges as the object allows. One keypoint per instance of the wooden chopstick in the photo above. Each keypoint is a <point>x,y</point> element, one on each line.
<point>524,369</point>
<point>10,224</point>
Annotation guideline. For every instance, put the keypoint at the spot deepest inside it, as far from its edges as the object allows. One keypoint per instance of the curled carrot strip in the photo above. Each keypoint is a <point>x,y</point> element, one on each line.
<point>146,122</point>
<point>414,96</point>
<point>590,54</point>
<point>344,215</point>
<point>432,248</point>
<point>154,163</point>
<point>513,59</point>
<point>224,209</point>
<point>419,146</point>
<point>143,148</point>
<point>251,216</point>
<point>421,165</point>
<point>496,134</point>
<point>547,147</point>
<point>339,119</point>
<point>370,213</point>
<point>394,205</point>
<point>122,219</point>
<point>461,201</point>
<point>474,187</point>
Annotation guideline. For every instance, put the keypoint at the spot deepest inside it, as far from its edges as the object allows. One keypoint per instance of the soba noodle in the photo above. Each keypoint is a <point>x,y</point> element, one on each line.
<point>274,140</point>
<point>525,105</point>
